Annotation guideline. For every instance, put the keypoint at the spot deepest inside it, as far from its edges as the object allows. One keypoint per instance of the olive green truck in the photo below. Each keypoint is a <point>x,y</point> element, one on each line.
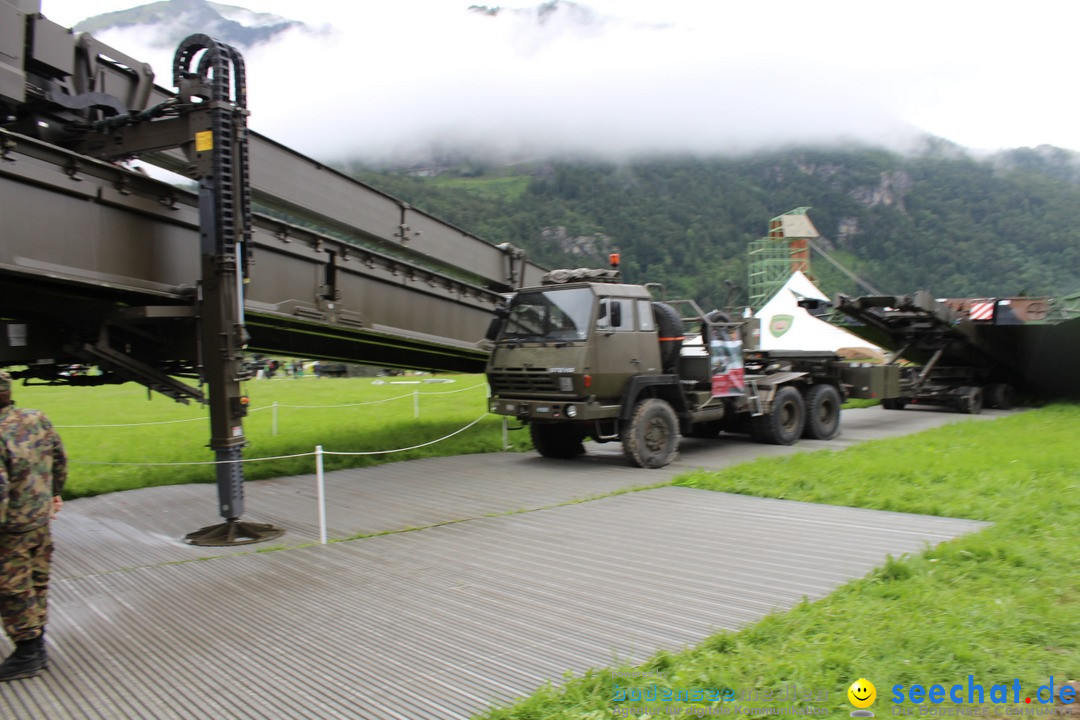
<point>585,356</point>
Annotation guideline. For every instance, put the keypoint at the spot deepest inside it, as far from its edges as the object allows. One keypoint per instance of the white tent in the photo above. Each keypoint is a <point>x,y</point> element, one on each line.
<point>786,326</point>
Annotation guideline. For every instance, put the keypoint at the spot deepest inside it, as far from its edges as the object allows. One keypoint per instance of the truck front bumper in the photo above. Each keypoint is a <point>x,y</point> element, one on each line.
<point>528,410</point>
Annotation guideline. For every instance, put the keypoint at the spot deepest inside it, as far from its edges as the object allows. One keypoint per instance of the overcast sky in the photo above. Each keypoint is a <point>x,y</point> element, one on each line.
<point>384,76</point>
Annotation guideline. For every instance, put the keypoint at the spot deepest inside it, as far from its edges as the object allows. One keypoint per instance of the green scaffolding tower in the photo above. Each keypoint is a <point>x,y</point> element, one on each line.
<point>773,259</point>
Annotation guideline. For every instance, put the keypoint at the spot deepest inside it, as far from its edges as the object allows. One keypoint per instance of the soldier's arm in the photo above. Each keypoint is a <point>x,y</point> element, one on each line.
<point>59,458</point>
<point>5,488</point>
<point>59,468</point>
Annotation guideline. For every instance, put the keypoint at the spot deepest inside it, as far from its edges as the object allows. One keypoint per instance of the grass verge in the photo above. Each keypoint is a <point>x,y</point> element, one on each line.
<point>117,424</point>
<point>1000,604</point>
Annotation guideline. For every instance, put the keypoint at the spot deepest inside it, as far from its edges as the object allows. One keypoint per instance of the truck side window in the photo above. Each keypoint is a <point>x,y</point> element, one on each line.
<point>645,316</point>
<point>614,315</point>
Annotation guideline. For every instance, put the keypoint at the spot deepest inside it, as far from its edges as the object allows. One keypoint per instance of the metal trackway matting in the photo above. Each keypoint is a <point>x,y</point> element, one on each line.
<point>143,527</point>
<point>445,621</point>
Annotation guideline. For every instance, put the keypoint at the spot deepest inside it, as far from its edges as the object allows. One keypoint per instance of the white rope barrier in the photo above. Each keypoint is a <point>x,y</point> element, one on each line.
<point>276,405</point>
<point>287,457</point>
<point>319,453</point>
<point>412,447</point>
<point>201,462</point>
<point>345,405</point>
<point>116,425</point>
<point>451,392</point>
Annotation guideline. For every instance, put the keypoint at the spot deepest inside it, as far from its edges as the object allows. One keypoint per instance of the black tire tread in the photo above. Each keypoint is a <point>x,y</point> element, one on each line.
<point>556,440</point>
<point>816,397</point>
<point>633,434</point>
<point>768,428</point>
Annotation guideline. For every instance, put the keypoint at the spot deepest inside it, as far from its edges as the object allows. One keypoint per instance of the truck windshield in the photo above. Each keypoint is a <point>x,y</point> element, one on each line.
<point>557,315</point>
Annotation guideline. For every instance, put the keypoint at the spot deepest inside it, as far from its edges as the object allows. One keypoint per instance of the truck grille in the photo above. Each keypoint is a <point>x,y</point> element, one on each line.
<point>533,380</point>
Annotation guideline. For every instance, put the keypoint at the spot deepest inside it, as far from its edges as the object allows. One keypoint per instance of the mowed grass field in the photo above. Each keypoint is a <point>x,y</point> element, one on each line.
<point>999,605</point>
<point>119,424</point>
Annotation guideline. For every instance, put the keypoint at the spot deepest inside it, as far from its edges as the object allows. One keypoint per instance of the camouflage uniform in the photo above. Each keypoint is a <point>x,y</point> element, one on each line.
<point>33,469</point>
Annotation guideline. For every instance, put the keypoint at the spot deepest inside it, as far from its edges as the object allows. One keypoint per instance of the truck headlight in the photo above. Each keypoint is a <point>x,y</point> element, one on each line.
<point>571,411</point>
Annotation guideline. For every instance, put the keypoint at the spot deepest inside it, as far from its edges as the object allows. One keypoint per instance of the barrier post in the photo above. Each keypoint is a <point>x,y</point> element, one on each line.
<point>506,434</point>
<point>415,404</point>
<point>273,422</point>
<point>320,479</point>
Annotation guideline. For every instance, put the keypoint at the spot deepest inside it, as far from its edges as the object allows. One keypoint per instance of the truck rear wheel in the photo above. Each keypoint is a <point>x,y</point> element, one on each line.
<point>556,440</point>
<point>784,423</point>
<point>894,403</point>
<point>999,395</point>
<point>971,401</point>
<point>651,438</point>
<point>822,412</point>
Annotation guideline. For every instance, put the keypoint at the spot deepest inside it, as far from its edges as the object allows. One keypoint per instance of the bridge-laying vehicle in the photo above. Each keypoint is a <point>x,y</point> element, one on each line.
<point>967,353</point>
<point>260,250</point>
<point>586,356</point>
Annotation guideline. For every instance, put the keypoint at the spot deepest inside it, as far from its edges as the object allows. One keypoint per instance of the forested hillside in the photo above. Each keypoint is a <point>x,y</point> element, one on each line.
<point>941,220</point>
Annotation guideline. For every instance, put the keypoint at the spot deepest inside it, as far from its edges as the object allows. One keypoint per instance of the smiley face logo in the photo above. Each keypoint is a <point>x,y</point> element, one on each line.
<point>862,693</point>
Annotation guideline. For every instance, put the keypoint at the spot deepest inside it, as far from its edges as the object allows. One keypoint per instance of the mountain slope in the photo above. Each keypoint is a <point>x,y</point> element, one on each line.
<point>174,20</point>
<point>941,221</point>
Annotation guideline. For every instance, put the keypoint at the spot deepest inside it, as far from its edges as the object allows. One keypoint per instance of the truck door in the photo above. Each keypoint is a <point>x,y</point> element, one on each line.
<point>621,349</point>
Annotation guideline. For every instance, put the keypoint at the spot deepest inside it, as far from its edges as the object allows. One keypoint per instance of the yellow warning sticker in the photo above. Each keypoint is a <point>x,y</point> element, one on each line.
<point>204,141</point>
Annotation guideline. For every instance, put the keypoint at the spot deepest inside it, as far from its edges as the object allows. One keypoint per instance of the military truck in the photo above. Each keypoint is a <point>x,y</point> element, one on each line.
<point>586,356</point>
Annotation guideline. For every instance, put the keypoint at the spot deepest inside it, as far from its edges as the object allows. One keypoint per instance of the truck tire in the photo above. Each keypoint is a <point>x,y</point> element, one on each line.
<point>669,326</point>
<point>784,423</point>
<point>971,401</point>
<point>999,395</point>
<point>822,412</point>
<point>894,403</point>
<point>716,316</point>
<point>556,440</point>
<point>651,438</point>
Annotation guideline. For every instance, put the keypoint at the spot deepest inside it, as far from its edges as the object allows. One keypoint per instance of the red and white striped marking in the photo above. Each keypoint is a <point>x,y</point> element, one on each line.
<point>982,311</point>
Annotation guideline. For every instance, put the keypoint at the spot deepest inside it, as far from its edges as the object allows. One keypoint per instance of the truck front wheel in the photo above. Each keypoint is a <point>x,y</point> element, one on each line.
<point>784,423</point>
<point>556,440</point>
<point>651,438</point>
<point>822,412</point>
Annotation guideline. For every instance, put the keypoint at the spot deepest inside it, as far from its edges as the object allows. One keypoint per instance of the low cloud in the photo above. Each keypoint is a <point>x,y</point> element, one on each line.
<point>393,80</point>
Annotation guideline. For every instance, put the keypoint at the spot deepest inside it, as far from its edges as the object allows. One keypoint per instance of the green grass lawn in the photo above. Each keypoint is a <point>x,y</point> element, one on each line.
<point>1000,604</point>
<point>304,421</point>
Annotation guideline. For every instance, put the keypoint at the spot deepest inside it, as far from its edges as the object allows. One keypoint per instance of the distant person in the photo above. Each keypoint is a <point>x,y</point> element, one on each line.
<point>33,469</point>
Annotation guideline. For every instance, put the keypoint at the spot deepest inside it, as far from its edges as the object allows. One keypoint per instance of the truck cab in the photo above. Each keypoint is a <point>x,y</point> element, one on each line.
<point>573,343</point>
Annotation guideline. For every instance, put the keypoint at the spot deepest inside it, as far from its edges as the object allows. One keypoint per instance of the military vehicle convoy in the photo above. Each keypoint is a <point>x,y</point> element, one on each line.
<point>585,356</point>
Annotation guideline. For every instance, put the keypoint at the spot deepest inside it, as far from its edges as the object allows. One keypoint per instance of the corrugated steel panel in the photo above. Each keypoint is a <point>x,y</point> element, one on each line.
<point>436,623</point>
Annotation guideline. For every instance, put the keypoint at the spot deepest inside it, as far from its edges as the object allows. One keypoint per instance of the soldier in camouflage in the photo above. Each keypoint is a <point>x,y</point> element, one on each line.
<point>32,473</point>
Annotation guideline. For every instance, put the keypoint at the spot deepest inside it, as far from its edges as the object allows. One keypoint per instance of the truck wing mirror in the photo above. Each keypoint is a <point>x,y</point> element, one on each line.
<point>494,327</point>
<point>616,314</point>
